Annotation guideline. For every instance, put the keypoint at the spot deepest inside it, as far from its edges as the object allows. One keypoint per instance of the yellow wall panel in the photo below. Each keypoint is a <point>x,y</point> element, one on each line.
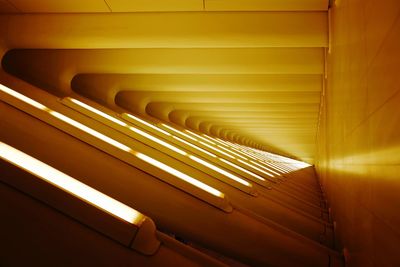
<point>155,5</point>
<point>266,5</point>
<point>358,138</point>
<point>70,6</point>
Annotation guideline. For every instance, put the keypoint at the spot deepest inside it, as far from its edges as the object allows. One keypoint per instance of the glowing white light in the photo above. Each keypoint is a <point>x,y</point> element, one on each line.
<point>69,184</point>
<point>256,168</point>
<point>242,169</point>
<point>90,131</point>
<point>199,136</point>
<point>159,141</point>
<point>145,123</point>
<point>180,175</point>
<point>268,169</point>
<point>230,151</point>
<point>96,111</point>
<point>216,149</point>
<point>22,97</point>
<point>114,143</point>
<point>221,171</point>
<point>179,132</point>
<point>195,147</point>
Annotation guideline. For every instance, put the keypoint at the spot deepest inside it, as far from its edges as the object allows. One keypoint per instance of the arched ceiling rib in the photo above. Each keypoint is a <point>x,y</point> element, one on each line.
<point>252,77</point>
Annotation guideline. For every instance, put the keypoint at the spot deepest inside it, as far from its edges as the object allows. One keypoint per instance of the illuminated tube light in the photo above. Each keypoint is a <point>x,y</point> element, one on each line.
<point>242,169</point>
<point>216,140</point>
<point>96,111</point>
<point>230,151</point>
<point>195,147</point>
<point>199,136</point>
<point>281,166</point>
<point>223,204</point>
<point>221,171</point>
<point>244,153</point>
<point>90,131</point>
<point>256,168</point>
<point>179,132</point>
<point>216,149</point>
<point>70,185</point>
<point>128,116</point>
<point>159,141</point>
<point>180,175</point>
<point>268,169</point>
<point>22,97</point>
<point>110,118</point>
<point>276,167</point>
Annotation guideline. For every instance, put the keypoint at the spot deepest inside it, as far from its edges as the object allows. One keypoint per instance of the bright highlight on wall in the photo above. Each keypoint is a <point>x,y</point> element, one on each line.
<point>69,184</point>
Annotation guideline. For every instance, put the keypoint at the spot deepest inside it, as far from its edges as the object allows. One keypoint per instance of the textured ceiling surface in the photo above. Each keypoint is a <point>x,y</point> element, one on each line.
<point>253,69</point>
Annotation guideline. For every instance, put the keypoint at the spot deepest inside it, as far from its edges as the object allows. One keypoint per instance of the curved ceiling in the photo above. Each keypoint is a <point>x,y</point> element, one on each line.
<point>246,70</point>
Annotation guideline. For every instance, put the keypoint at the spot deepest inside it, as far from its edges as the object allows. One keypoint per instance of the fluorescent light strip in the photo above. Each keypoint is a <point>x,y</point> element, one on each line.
<point>216,149</point>
<point>142,133</point>
<point>22,97</point>
<point>282,166</point>
<point>195,147</point>
<point>217,140</point>
<point>180,175</point>
<point>179,132</point>
<point>239,151</point>
<point>230,151</point>
<point>268,169</point>
<point>114,143</point>
<point>256,168</point>
<point>96,111</point>
<point>276,167</point>
<point>199,136</point>
<point>242,169</point>
<point>159,141</point>
<point>146,123</point>
<point>221,171</point>
<point>69,184</point>
<point>90,131</point>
